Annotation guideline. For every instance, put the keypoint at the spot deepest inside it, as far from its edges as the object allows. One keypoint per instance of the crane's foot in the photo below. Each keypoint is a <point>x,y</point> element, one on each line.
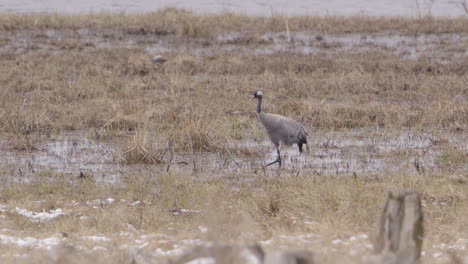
<point>278,160</point>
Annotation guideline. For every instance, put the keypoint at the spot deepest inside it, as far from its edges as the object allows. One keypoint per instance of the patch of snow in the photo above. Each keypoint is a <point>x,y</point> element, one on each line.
<point>46,243</point>
<point>173,252</point>
<point>98,248</point>
<point>84,217</point>
<point>437,254</point>
<point>440,246</point>
<point>94,202</point>
<point>192,242</point>
<point>22,256</point>
<point>135,203</point>
<point>203,229</point>
<point>267,242</point>
<point>363,236</point>
<point>125,234</point>
<point>74,203</point>
<point>39,217</point>
<point>337,241</point>
<point>353,238</point>
<point>184,211</point>
<point>202,261</point>
<point>97,238</point>
<point>144,245</point>
<point>189,211</point>
<point>460,244</point>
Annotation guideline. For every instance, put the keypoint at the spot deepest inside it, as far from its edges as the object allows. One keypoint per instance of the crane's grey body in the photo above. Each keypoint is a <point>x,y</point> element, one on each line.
<point>280,129</point>
<point>283,130</point>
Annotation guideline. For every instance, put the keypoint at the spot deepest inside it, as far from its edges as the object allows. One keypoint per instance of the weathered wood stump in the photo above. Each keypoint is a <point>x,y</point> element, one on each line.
<point>401,230</point>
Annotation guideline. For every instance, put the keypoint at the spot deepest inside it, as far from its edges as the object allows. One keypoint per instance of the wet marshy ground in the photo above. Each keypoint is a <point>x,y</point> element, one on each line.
<point>355,153</point>
<point>438,47</point>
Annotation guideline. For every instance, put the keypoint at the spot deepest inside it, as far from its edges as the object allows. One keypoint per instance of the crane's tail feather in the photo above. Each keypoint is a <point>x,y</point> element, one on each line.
<point>302,140</point>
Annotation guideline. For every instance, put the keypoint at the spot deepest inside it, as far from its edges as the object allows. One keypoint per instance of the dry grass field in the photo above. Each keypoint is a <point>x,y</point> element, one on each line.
<point>104,150</point>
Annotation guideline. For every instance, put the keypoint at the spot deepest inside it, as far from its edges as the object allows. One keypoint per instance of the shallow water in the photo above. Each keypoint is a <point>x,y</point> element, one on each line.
<point>346,154</point>
<point>438,47</point>
<point>447,8</point>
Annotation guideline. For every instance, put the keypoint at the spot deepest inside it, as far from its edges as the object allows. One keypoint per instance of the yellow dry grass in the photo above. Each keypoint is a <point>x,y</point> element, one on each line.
<point>171,21</point>
<point>191,100</point>
<point>327,207</point>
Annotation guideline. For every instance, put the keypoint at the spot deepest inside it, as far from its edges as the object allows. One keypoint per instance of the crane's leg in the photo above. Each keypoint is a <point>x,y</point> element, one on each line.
<point>278,159</point>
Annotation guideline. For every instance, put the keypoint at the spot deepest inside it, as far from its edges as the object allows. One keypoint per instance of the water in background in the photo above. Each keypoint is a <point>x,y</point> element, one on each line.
<point>409,8</point>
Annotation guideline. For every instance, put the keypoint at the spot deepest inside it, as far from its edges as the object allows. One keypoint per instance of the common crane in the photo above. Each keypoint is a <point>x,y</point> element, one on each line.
<point>280,129</point>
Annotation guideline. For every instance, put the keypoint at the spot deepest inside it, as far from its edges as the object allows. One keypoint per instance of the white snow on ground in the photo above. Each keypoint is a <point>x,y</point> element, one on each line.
<point>96,238</point>
<point>84,217</point>
<point>184,211</point>
<point>192,242</point>
<point>46,243</point>
<point>126,234</point>
<point>337,241</point>
<point>96,202</point>
<point>3,208</point>
<point>173,252</point>
<point>460,244</point>
<point>267,242</point>
<point>135,203</point>
<point>98,248</point>
<point>202,261</point>
<point>42,216</point>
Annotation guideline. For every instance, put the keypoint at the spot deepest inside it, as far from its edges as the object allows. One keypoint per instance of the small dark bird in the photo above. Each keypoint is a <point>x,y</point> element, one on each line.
<point>280,129</point>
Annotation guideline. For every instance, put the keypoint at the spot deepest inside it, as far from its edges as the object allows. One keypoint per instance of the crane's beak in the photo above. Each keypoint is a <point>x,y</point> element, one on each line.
<point>251,98</point>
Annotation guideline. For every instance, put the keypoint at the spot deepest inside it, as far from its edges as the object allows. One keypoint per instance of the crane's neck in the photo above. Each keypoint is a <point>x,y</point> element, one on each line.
<point>259,105</point>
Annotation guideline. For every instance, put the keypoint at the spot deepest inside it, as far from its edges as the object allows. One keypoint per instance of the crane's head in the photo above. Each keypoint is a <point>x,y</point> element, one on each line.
<point>257,94</point>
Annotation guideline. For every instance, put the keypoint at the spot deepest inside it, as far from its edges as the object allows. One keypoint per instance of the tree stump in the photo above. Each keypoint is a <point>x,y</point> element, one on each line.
<point>400,231</point>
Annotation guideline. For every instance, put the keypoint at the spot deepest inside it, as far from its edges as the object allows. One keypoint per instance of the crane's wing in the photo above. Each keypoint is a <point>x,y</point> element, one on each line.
<point>283,128</point>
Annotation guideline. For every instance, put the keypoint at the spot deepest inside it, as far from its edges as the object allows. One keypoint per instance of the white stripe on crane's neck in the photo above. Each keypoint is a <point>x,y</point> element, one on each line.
<point>259,104</point>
